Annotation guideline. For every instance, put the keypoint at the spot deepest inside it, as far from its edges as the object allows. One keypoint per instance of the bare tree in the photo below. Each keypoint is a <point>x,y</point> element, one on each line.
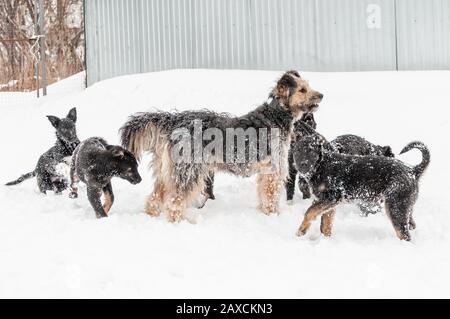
<point>64,41</point>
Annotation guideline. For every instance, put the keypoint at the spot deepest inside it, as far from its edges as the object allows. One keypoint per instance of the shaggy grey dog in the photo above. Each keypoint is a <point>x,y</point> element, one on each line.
<point>177,183</point>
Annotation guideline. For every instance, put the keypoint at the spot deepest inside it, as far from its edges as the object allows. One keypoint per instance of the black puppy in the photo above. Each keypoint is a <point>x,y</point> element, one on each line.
<point>307,118</point>
<point>344,144</point>
<point>95,162</point>
<point>47,172</point>
<point>355,145</point>
<point>335,178</point>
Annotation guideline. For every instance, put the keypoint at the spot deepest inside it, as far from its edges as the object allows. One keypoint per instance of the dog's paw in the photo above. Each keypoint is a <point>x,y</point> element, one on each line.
<point>73,195</point>
<point>200,202</point>
<point>301,232</point>
<point>269,209</point>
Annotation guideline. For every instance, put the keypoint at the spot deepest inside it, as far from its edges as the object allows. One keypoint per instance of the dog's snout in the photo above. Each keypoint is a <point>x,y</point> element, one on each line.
<point>319,96</point>
<point>137,180</point>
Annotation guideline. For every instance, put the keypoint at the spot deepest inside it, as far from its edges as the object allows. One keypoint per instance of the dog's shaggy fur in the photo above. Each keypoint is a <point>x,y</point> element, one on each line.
<point>178,184</point>
<point>355,145</point>
<point>335,178</point>
<point>345,144</point>
<point>47,171</point>
<point>95,163</point>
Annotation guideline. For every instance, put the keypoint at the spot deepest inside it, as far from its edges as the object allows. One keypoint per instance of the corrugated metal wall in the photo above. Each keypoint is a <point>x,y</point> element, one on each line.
<point>133,36</point>
<point>423,29</point>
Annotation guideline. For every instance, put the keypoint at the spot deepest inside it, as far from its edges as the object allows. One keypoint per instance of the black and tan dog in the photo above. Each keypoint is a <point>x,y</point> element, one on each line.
<point>345,144</point>
<point>95,163</point>
<point>178,184</point>
<point>48,169</point>
<point>336,178</point>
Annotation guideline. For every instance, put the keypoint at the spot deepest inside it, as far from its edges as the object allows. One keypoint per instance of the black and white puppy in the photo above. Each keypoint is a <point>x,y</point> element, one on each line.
<point>48,172</point>
<point>95,163</point>
<point>335,178</point>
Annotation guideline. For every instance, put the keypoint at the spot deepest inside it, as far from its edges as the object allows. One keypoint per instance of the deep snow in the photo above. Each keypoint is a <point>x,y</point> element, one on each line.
<point>52,246</point>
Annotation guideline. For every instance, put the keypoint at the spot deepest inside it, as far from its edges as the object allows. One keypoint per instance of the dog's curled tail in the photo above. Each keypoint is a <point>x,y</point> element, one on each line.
<point>22,178</point>
<point>143,132</point>
<point>419,169</point>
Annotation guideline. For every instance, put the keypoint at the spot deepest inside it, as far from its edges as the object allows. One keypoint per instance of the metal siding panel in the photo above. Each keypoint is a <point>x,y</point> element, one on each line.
<point>124,37</point>
<point>423,28</point>
<point>344,40</point>
<point>93,74</point>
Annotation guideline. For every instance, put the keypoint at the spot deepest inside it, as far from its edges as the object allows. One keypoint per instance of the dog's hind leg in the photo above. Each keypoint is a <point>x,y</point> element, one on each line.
<point>269,187</point>
<point>398,210</point>
<point>109,197</point>
<point>412,222</point>
<point>209,186</point>
<point>208,192</point>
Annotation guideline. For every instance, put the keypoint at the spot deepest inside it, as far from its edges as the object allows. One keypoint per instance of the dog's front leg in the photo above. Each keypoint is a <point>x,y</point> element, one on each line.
<point>304,187</point>
<point>290,182</point>
<point>269,187</point>
<point>175,207</point>
<point>311,214</point>
<point>109,197</point>
<point>94,195</point>
<point>74,180</point>
<point>155,200</point>
<point>326,223</point>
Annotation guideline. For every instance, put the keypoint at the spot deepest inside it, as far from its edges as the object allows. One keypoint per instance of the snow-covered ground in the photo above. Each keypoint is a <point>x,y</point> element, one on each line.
<point>53,246</point>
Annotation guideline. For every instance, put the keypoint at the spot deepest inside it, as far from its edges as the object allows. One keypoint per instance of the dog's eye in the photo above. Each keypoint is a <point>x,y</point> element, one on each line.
<point>303,90</point>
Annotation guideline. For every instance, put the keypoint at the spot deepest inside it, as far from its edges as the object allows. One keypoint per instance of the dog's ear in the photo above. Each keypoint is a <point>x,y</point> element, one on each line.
<point>284,86</point>
<point>387,151</point>
<point>294,73</point>
<point>116,151</point>
<point>54,120</point>
<point>72,115</point>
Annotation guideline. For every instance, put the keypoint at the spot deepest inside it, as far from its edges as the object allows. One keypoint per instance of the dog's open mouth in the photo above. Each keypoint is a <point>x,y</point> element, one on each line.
<point>310,107</point>
<point>313,107</point>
